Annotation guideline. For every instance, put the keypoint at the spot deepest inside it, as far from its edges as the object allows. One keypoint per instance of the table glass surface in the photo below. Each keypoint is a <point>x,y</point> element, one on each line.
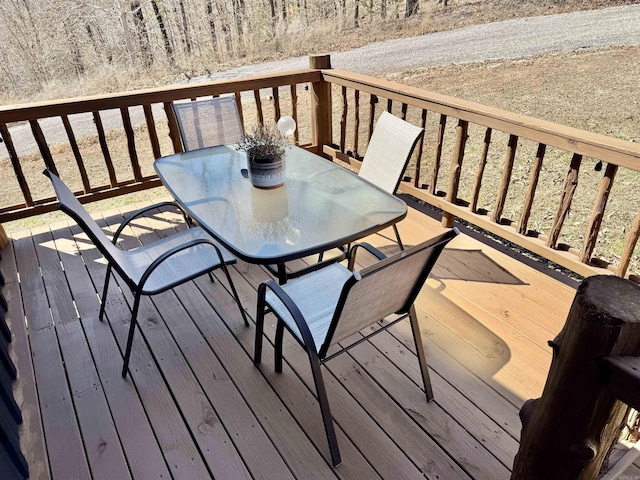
<point>321,205</point>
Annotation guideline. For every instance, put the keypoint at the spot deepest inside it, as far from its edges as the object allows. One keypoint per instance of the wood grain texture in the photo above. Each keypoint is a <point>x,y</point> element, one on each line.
<point>523,221</point>
<point>570,185</point>
<point>456,168</point>
<point>595,221</point>
<point>151,130</point>
<point>507,169</point>
<point>437,155</point>
<point>629,246</point>
<point>105,148</point>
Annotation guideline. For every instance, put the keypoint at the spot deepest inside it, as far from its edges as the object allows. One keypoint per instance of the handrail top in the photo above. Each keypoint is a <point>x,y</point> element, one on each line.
<point>601,147</point>
<point>50,108</point>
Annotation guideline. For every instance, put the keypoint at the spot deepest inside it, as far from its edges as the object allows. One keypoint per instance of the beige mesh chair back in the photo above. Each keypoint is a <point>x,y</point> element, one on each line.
<point>208,123</point>
<point>327,306</point>
<point>389,151</point>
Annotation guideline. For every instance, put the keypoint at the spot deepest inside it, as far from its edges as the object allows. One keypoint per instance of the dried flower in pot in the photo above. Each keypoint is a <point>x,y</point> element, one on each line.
<point>264,147</point>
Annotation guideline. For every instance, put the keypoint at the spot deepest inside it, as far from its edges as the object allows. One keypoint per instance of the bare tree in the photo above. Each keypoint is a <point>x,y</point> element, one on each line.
<point>412,8</point>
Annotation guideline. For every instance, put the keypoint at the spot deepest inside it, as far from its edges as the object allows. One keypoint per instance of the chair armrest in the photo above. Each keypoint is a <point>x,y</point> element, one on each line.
<point>293,309</point>
<point>368,247</point>
<point>142,211</point>
<point>169,253</point>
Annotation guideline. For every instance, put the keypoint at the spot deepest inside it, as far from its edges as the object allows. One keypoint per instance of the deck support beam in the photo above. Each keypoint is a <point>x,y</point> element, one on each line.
<point>321,123</point>
<point>568,432</point>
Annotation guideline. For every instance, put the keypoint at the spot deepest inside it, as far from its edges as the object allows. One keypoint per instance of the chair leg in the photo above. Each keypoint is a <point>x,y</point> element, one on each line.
<point>395,229</point>
<point>235,294</point>
<point>278,345</point>
<point>211,277</point>
<point>104,292</point>
<point>324,409</point>
<point>417,338</point>
<point>257,351</point>
<point>132,329</point>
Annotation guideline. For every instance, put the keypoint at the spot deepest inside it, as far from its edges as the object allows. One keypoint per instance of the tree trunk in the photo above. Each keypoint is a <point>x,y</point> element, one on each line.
<point>412,8</point>
<point>383,8</point>
<point>356,14</point>
<point>212,24</point>
<point>185,28</point>
<point>284,11</point>
<point>165,37</point>
<point>272,6</point>
<point>567,433</point>
<point>141,31</point>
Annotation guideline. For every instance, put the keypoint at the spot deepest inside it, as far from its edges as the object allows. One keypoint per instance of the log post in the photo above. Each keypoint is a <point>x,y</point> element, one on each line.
<point>321,133</point>
<point>4,239</point>
<point>567,433</point>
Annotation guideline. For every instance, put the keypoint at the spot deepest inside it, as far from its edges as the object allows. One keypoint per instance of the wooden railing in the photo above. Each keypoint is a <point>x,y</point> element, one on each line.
<point>342,108</point>
<point>353,90</point>
<point>130,178</point>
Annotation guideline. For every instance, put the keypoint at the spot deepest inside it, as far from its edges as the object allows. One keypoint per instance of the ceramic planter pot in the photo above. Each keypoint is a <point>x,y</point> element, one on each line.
<point>265,171</point>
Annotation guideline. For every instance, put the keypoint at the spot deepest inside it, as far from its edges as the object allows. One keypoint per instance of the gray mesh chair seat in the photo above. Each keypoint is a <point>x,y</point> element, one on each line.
<point>208,123</point>
<point>327,306</point>
<point>152,268</point>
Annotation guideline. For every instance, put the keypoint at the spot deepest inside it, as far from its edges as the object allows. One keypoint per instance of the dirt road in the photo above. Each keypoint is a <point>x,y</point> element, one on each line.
<point>510,39</point>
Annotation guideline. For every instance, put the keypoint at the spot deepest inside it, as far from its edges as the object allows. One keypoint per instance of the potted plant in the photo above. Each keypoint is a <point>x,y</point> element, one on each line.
<point>264,148</point>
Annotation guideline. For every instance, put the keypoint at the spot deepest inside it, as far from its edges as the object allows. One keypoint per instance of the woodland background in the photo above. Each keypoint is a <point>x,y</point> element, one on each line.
<point>63,48</point>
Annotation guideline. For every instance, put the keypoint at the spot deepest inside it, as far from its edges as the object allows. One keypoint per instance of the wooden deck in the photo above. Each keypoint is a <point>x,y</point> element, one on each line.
<point>195,407</point>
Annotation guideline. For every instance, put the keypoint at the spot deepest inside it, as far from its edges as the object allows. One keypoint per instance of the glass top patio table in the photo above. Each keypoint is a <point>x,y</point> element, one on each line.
<point>320,206</point>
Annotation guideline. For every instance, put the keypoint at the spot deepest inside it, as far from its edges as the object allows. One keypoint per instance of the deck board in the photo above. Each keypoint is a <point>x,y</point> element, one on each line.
<point>195,406</point>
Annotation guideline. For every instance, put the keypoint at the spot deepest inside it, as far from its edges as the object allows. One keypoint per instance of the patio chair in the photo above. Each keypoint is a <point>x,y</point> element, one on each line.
<point>152,268</point>
<point>388,154</point>
<point>208,123</point>
<point>327,306</point>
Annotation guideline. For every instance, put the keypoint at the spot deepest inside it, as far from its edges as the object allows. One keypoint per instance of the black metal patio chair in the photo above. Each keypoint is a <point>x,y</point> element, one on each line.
<point>325,307</point>
<point>152,268</point>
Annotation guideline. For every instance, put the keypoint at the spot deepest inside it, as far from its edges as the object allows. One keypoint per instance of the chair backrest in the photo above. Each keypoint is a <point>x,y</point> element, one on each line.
<point>389,151</point>
<point>208,123</point>
<point>387,287</point>
<point>70,205</point>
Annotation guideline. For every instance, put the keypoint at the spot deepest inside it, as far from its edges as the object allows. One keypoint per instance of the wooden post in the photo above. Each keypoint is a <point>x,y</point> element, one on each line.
<point>456,170</point>
<point>321,133</point>
<point>4,239</point>
<point>567,433</point>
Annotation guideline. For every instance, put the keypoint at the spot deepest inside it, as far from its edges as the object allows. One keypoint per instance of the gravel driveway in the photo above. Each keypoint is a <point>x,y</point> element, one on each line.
<point>509,39</point>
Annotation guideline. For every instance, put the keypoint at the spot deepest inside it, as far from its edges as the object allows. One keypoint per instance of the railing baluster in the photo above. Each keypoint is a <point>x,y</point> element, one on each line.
<point>356,122</point>
<point>174,131</point>
<point>570,185</point>
<point>276,103</point>
<point>438,154</point>
<point>105,149</point>
<point>480,171</point>
<point>595,221</point>
<point>373,99</point>
<point>343,120</point>
<point>76,153</point>
<point>15,163</point>
<point>523,222</point>
<point>42,146</point>
<point>131,143</point>
<point>510,156</point>
<point>151,129</point>
<point>404,111</point>
<point>629,247</point>
<point>294,112</point>
<point>238,97</point>
<point>389,105</point>
<point>456,169</point>
<point>256,96</point>
<point>423,124</point>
